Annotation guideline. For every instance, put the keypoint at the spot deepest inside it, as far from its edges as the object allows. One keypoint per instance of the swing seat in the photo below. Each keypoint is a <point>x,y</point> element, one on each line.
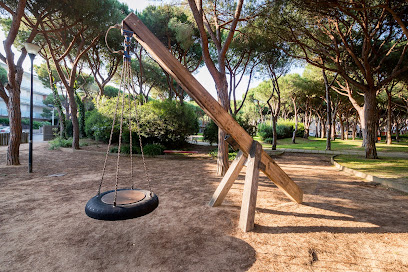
<point>130,203</point>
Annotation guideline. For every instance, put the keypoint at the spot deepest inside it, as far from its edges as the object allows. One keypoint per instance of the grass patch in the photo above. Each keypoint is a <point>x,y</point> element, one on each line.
<point>320,144</point>
<point>386,167</point>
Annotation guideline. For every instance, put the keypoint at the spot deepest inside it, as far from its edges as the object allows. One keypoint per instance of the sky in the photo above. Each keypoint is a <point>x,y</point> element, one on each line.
<point>203,76</point>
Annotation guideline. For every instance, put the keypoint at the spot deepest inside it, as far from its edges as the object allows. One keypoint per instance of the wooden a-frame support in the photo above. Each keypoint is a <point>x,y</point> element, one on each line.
<point>258,159</point>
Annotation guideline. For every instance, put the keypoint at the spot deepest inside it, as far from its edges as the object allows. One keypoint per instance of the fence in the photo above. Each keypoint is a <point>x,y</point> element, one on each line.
<point>5,137</point>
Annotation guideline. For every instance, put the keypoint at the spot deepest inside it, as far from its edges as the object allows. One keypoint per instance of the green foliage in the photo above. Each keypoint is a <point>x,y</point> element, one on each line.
<point>167,122</point>
<point>36,124</point>
<point>3,75</point>
<point>110,91</point>
<point>98,126</point>
<point>125,149</point>
<point>59,142</point>
<point>231,154</point>
<point>153,149</point>
<point>284,129</point>
<point>4,121</point>
<point>245,122</point>
<point>210,133</point>
<point>81,115</point>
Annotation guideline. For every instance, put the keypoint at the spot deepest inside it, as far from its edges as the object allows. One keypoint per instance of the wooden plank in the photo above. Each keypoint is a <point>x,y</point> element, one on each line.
<point>204,99</point>
<point>247,217</point>
<point>228,180</point>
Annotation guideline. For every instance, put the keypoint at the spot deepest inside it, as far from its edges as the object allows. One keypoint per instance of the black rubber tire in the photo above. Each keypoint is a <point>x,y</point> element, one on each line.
<point>97,209</point>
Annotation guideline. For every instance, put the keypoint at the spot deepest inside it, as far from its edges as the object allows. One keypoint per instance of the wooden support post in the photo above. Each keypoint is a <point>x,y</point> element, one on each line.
<point>247,217</point>
<point>228,180</point>
<point>204,99</point>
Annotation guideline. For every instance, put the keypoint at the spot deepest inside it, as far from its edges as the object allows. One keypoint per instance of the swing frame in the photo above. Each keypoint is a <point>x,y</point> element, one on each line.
<point>258,159</point>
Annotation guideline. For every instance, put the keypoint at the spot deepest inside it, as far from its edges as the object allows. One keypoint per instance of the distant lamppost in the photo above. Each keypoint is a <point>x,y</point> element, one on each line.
<point>32,50</point>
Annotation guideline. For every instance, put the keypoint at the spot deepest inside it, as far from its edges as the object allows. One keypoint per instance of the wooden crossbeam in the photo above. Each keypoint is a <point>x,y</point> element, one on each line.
<point>211,107</point>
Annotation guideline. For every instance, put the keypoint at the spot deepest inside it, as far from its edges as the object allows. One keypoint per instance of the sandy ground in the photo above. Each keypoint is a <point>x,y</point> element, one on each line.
<point>344,224</point>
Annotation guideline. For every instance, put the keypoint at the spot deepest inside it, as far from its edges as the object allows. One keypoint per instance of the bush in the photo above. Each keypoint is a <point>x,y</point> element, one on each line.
<point>231,154</point>
<point>284,129</point>
<point>153,149</point>
<point>58,142</point>
<point>98,127</point>
<point>164,122</point>
<point>4,121</point>
<point>210,133</point>
<point>125,149</point>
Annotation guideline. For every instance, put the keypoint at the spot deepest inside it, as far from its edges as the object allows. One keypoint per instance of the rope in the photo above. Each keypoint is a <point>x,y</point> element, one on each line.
<point>126,85</point>
<point>140,138</point>
<point>120,140</point>
<point>110,136</point>
<point>117,26</point>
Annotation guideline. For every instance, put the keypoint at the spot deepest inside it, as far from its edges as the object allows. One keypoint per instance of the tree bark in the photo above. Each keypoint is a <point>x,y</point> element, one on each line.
<point>322,128</point>
<point>370,117</point>
<point>14,114</point>
<point>397,137</point>
<point>296,121</point>
<point>341,127</point>
<point>223,99</point>
<point>74,118</point>
<point>275,136</point>
<point>389,118</point>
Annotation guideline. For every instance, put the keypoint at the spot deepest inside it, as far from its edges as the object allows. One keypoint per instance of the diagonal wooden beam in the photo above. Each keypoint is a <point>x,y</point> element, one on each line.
<point>228,180</point>
<point>211,107</point>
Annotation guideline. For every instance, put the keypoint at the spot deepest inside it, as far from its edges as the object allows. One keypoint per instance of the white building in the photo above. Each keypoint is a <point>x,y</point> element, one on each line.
<point>39,94</point>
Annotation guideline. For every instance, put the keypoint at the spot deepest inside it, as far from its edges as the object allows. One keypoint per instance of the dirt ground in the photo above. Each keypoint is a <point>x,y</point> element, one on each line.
<point>344,224</point>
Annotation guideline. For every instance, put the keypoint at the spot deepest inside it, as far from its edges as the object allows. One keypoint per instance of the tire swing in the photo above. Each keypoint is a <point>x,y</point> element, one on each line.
<point>121,204</point>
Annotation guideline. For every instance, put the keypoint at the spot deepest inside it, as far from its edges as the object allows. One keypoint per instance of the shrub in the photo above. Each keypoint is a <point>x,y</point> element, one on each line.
<point>164,122</point>
<point>4,121</point>
<point>58,142</point>
<point>98,127</point>
<point>284,129</point>
<point>231,154</point>
<point>167,122</point>
<point>210,133</point>
<point>125,149</point>
<point>153,149</point>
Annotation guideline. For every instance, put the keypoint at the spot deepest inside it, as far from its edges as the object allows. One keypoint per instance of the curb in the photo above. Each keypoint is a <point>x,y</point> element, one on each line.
<point>370,178</point>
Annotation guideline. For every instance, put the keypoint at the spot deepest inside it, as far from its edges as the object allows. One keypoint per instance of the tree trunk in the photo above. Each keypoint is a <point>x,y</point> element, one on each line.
<point>341,128</point>
<point>333,130</point>
<point>74,119</point>
<point>347,125</point>
<point>322,128</point>
<point>370,117</point>
<point>275,136</point>
<point>296,122</point>
<point>222,158</point>
<point>397,138</point>
<point>353,134</point>
<point>14,114</point>
<point>389,112</point>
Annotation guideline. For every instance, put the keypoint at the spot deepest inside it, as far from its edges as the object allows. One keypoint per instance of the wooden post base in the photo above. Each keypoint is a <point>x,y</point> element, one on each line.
<point>247,216</point>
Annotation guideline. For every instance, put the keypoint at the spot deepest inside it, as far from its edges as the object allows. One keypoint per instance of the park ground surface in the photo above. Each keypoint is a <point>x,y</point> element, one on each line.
<point>344,223</point>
